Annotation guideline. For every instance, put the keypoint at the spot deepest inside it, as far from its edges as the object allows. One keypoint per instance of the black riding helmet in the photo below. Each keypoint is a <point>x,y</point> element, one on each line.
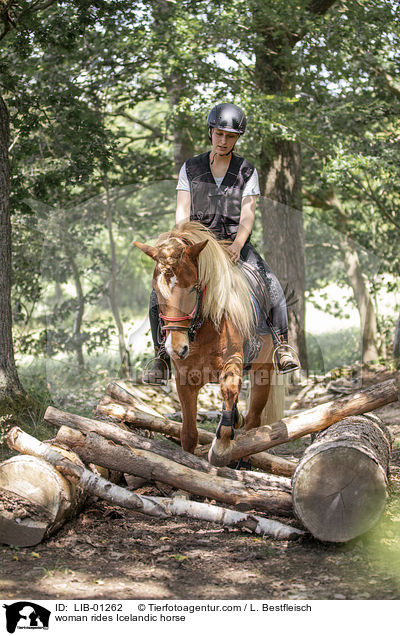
<point>227,117</point>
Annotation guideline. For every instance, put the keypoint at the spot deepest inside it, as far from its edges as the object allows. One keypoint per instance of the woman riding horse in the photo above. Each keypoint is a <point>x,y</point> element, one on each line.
<point>219,189</point>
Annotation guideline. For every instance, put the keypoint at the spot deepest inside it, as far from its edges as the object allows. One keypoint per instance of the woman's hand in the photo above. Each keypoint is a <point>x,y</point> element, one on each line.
<point>234,251</point>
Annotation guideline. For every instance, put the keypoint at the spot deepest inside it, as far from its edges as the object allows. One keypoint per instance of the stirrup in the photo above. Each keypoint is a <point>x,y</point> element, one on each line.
<point>162,382</point>
<point>275,362</point>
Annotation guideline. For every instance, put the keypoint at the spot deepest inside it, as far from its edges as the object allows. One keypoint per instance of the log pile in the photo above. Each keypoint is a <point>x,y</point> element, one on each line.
<point>337,491</point>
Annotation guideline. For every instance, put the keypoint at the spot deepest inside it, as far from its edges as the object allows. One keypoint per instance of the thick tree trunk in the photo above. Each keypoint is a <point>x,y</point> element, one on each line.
<point>10,385</point>
<point>282,222</point>
<point>183,143</point>
<point>280,165</point>
<point>255,493</point>
<point>35,499</point>
<point>340,485</point>
<point>315,419</point>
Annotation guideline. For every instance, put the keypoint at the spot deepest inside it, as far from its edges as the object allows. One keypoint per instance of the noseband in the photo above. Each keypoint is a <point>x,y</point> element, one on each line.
<point>194,317</point>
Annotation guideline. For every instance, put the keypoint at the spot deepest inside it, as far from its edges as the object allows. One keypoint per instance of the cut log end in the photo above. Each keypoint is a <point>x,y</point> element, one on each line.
<point>340,504</point>
<point>340,486</point>
<point>34,500</point>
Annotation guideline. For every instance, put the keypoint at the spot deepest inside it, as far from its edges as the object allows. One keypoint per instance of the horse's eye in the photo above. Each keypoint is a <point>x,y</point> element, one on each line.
<point>194,289</point>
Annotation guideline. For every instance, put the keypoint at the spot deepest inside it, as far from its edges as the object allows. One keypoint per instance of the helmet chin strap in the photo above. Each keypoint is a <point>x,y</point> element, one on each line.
<point>216,153</point>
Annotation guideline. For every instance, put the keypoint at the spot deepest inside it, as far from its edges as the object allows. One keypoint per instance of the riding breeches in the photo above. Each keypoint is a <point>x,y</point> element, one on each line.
<point>278,313</point>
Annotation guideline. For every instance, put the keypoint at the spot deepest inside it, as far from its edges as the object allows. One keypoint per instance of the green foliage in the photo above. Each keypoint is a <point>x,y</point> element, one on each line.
<point>98,93</point>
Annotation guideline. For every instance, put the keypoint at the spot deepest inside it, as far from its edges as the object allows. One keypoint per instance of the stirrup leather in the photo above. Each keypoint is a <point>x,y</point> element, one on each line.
<point>275,361</point>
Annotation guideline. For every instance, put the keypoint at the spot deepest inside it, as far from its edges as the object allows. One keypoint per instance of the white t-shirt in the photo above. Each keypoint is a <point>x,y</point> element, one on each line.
<point>251,188</point>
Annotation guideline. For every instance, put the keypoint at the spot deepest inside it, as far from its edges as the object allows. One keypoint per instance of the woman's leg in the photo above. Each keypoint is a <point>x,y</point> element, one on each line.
<point>158,372</point>
<point>278,310</point>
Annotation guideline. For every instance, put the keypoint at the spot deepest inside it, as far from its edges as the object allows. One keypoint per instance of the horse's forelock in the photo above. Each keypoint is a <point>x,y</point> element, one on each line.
<point>168,258</point>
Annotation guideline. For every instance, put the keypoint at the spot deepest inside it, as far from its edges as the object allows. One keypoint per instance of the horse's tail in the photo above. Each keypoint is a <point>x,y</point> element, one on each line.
<point>275,407</point>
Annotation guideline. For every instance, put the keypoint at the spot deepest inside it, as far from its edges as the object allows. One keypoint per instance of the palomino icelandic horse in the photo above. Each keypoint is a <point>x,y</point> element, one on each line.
<point>205,305</point>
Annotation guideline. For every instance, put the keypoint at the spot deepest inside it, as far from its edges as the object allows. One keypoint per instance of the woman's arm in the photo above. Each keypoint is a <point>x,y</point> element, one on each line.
<point>247,215</point>
<point>182,207</point>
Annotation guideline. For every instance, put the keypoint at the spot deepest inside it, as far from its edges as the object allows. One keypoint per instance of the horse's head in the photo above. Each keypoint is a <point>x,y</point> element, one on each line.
<point>176,282</point>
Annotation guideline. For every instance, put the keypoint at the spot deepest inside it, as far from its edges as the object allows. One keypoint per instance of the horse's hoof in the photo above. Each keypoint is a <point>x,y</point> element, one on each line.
<point>219,456</point>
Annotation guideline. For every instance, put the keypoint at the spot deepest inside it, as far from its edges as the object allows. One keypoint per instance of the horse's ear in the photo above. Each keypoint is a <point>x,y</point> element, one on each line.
<point>147,249</point>
<point>194,250</point>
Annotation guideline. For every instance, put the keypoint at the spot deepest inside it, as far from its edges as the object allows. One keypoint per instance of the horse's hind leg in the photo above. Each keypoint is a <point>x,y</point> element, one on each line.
<point>260,391</point>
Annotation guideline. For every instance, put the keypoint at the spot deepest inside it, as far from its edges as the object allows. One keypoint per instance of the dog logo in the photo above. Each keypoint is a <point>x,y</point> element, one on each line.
<point>26,615</point>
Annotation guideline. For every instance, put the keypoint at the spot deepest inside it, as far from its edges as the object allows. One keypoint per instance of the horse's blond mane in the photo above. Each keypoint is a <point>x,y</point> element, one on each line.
<point>227,292</point>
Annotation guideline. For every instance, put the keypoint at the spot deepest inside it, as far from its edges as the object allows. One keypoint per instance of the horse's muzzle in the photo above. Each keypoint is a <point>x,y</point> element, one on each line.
<point>183,352</point>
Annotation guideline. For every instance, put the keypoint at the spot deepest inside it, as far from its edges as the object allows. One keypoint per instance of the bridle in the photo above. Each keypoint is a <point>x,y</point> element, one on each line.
<point>194,317</point>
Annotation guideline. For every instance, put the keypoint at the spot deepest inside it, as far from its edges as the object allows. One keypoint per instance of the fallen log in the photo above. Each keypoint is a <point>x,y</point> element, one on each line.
<point>154,506</point>
<point>35,499</point>
<point>133,415</point>
<point>122,435</point>
<point>340,485</point>
<point>254,494</point>
<point>149,419</point>
<point>311,421</point>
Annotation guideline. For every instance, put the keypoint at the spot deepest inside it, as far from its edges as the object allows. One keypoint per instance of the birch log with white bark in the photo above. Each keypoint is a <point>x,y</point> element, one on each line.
<point>154,506</point>
<point>340,485</point>
<point>252,492</point>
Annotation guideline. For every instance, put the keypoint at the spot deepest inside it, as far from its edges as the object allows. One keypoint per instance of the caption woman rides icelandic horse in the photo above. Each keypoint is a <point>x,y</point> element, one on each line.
<point>207,315</point>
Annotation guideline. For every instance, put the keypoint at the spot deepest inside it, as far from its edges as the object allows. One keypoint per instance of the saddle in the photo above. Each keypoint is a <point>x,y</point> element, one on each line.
<point>261,305</point>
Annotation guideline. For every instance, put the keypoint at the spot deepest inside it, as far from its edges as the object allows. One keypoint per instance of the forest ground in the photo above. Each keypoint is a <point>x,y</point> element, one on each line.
<point>113,553</point>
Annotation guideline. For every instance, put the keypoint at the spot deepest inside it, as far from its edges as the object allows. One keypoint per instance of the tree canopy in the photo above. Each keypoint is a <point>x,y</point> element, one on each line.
<point>107,99</point>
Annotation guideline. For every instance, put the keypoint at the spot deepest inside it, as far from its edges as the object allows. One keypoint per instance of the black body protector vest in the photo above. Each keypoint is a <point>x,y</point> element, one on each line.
<point>218,208</point>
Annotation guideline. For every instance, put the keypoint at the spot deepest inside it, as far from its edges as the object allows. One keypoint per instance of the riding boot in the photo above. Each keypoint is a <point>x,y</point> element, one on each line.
<point>160,371</point>
<point>286,358</point>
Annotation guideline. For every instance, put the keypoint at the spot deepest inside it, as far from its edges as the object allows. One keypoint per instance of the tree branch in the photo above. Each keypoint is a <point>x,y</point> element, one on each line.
<point>387,78</point>
<point>319,7</point>
<point>156,131</point>
<point>10,22</point>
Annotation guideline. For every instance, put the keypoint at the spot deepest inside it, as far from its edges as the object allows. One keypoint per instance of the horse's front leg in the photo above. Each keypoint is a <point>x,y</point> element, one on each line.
<point>188,398</point>
<point>230,382</point>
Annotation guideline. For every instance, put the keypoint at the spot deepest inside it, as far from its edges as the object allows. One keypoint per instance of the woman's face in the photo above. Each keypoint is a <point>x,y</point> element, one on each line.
<point>223,141</point>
